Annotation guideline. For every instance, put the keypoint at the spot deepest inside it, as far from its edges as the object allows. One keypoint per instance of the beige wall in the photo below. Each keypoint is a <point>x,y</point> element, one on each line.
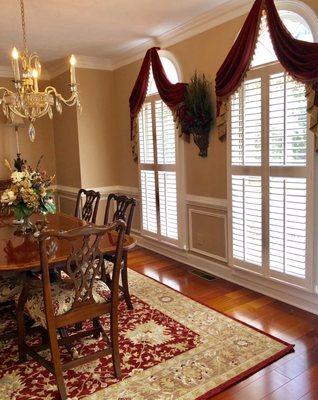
<point>98,143</point>
<point>44,141</point>
<point>66,138</point>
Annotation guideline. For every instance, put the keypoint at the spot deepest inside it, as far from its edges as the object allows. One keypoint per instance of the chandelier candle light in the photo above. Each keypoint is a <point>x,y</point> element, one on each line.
<point>27,101</point>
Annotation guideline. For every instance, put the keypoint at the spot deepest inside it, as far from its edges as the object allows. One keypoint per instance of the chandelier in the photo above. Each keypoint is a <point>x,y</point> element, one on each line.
<point>27,101</point>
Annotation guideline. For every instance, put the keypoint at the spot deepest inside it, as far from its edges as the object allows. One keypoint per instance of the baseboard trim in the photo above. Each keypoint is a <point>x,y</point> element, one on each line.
<point>293,296</point>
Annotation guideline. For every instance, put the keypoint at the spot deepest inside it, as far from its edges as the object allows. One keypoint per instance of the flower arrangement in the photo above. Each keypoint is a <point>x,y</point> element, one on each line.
<point>28,192</point>
<point>198,115</point>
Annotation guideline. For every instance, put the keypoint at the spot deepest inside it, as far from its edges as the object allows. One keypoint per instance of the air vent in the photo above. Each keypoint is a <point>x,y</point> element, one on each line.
<point>203,275</point>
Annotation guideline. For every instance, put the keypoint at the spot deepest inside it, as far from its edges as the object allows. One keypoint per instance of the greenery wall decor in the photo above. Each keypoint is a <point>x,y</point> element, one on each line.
<point>198,114</point>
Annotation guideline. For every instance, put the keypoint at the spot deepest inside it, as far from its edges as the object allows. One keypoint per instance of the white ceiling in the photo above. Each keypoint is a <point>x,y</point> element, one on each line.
<point>96,28</point>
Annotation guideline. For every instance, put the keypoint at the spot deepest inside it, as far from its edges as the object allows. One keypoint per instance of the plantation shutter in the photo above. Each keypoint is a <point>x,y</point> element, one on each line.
<point>268,177</point>
<point>158,177</point>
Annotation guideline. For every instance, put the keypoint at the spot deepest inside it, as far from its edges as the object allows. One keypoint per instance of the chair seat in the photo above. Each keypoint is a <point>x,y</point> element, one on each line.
<point>10,287</point>
<point>63,295</point>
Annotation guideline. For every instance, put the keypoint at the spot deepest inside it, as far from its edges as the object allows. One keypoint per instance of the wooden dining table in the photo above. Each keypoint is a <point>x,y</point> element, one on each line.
<point>21,253</point>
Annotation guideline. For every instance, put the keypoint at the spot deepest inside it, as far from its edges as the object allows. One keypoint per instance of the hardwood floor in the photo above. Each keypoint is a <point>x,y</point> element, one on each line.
<point>291,378</point>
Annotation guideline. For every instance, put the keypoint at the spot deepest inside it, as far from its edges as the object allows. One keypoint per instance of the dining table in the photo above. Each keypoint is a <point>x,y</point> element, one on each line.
<point>21,253</point>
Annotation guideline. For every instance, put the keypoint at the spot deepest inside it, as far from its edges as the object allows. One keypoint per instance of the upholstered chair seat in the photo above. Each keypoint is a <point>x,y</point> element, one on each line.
<point>63,295</point>
<point>10,287</point>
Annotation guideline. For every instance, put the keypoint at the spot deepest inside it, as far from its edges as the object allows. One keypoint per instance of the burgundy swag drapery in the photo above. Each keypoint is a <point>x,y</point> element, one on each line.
<point>299,59</point>
<point>172,94</point>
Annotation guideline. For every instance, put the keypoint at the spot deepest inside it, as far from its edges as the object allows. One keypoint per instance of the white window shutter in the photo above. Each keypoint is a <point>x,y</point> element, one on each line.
<point>158,175</point>
<point>269,172</point>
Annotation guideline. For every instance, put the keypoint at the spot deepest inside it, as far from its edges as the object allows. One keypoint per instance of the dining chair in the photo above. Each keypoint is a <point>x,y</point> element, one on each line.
<point>82,297</point>
<point>87,212</point>
<point>10,288</point>
<point>123,209</point>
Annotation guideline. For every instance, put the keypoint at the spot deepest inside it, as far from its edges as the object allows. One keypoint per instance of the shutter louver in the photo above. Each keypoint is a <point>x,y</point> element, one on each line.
<point>247,219</point>
<point>246,124</point>
<point>148,198</point>
<point>146,149</point>
<point>168,204</point>
<point>287,226</point>
<point>288,121</point>
<point>165,133</point>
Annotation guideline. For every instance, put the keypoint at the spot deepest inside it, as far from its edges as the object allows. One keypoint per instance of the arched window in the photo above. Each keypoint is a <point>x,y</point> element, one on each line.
<point>158,159</point>
<point>297,26</point>
<point>270,166</point>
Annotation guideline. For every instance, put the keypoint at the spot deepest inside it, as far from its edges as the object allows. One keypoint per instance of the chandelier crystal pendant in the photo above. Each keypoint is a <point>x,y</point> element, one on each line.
<point>27,101</point>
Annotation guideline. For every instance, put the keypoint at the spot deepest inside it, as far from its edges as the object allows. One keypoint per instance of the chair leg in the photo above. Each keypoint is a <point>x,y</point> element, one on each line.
<point>21,334</point>
<point>125,286</point>
<point>96,324</point>
<point>21,321</point>
<point>56,361</point>
<point>114,344</point>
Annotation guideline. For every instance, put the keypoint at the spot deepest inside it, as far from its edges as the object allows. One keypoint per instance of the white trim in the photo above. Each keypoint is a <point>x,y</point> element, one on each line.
<point>203,252</point>
<point>286,293</point>
<point>66,189</point>
<point>203,201</point>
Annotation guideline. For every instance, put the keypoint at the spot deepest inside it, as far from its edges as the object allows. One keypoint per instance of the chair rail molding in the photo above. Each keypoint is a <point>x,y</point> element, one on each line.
<point>204,201</point>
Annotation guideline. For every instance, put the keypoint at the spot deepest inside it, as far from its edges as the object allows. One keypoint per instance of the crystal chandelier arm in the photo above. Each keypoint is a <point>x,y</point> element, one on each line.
<point>72,100</point>
<point>5,91</point>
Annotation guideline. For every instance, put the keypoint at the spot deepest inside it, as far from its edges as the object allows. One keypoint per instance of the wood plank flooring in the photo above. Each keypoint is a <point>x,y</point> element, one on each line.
<point>294,377</point>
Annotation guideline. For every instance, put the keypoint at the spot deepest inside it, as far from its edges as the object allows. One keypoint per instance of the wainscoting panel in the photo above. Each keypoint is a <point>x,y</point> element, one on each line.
<point>208,233</point>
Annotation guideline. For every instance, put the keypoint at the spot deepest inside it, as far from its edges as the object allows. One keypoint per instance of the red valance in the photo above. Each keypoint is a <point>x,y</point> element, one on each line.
<point>299,58</point>
<point>171,93</point>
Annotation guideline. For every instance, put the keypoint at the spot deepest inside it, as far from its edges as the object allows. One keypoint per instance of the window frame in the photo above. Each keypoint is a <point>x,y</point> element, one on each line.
<point>264,72</point>
<point>181,242</point>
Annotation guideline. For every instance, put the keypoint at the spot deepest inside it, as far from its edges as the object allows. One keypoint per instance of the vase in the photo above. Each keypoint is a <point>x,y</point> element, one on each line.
<point>26,227</point>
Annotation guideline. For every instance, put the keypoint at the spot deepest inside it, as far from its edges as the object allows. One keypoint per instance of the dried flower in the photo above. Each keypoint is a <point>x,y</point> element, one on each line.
<point>29,192</point>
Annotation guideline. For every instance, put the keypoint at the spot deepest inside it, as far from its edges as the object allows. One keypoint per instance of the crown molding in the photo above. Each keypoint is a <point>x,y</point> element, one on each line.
<point>219,15</point>
<point>195,26</point>
<point>57,67</point>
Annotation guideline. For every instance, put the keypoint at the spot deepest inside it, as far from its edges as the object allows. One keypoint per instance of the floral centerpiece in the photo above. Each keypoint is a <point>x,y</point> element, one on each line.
<point>28,193</point>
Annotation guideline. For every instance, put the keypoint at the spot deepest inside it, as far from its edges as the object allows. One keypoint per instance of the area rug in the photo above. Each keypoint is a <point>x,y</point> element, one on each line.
<point>172,348</point>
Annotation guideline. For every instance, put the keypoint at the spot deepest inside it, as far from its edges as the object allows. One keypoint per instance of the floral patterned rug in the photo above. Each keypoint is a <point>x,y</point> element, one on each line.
<point>171,348</point>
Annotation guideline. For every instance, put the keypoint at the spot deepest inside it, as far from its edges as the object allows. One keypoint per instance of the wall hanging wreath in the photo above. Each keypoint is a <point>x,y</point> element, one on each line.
<point>198,115</point>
